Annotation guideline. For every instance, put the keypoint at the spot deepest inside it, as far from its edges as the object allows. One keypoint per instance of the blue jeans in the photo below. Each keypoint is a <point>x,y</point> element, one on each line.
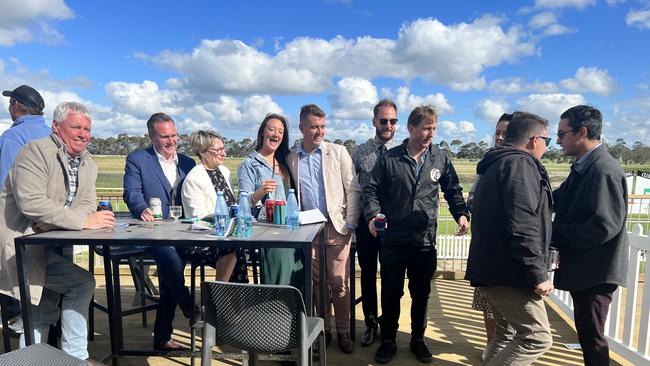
<point>75,286</point>
<point>171,272</point>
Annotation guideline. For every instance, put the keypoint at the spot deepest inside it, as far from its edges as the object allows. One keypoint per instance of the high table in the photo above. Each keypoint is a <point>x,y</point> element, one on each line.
<point>131,232</point>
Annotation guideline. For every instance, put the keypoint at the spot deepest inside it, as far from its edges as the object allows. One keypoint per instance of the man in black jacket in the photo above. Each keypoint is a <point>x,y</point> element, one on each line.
<point>511,231</point>
<point>589,228</point>
<point>404,186</point>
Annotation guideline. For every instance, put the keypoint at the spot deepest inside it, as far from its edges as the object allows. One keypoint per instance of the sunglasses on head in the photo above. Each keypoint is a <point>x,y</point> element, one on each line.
<point>384,121</point>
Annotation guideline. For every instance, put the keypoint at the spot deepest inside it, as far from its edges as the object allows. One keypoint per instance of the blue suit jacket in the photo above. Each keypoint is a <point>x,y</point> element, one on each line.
<point>144,179</point>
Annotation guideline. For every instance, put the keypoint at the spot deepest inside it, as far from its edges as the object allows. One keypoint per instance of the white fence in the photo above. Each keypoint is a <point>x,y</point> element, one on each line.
<point>627,323</point>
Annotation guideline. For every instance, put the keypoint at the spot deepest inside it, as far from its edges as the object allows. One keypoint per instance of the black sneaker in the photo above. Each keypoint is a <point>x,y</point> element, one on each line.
<point>386,351</point>
<point>421,351</point>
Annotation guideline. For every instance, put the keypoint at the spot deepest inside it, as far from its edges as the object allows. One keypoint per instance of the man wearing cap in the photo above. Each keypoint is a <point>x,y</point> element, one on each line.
<point>26,110</point>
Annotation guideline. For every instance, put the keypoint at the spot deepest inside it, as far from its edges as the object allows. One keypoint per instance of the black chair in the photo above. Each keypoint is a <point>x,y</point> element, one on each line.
<point>144,288</point>
<point>40,354</point>
<point>7,332</point>
<point>258,319</point>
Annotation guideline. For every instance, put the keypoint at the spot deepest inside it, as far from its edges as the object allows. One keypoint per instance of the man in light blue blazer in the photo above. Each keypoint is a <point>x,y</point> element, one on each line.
<point>158,171</point>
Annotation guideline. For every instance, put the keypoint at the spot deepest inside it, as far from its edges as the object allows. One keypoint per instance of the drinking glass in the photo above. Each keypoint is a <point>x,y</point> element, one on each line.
<point>175,212</point>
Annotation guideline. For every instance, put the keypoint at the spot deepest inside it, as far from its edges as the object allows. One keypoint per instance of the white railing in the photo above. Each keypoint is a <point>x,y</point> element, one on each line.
<point>453,252</point>
<point>625,315</point>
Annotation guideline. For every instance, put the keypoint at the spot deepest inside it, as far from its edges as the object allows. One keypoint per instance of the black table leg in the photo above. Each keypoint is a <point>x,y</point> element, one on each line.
<point>307,286</point>
<point>322,268</point>
<point>25,297</point>
<point>110,304</point>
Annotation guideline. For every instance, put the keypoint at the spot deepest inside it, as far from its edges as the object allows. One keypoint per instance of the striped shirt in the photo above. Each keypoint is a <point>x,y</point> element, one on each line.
<point>73,179</point>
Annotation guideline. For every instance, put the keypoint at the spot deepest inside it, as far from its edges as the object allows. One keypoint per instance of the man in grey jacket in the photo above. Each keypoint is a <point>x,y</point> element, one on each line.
<point>52,185</point>
<point>589,228</point>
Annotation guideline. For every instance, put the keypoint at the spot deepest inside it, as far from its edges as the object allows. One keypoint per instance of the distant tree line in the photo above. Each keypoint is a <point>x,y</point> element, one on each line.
<point>123,144</point>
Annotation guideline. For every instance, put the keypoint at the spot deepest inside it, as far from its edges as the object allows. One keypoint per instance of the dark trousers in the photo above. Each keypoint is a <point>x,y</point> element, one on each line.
<point>368,252</point>
<point>590,308</point>
<point>419,264</point>
<point>171,272</point>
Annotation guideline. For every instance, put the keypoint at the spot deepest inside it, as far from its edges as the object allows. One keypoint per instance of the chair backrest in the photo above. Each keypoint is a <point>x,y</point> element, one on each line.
<point>255,318</point>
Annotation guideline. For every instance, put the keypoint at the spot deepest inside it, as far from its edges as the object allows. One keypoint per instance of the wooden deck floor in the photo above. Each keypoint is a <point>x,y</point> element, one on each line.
<point>455,334</point>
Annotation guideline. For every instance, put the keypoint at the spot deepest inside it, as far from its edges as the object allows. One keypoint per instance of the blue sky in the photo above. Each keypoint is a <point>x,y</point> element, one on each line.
<point>224,64</point>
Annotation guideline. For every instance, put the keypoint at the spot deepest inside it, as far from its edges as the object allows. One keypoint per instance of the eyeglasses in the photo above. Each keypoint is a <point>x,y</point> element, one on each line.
<point>217,151</point>
<point>384,121</point>
<point>560,134</point>
<point>547,140</point>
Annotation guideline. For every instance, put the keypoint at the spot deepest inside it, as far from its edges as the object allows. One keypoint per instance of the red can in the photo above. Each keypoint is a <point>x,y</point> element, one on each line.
<point>269,205</point>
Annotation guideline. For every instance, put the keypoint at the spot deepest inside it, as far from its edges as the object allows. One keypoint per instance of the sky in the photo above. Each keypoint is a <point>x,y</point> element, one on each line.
<point>224,65</point>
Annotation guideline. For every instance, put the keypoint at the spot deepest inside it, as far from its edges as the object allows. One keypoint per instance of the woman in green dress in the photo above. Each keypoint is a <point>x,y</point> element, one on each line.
<point>264,174</point>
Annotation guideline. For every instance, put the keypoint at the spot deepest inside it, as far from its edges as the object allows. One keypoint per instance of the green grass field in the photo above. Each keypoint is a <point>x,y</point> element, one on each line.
<point>111,173</point>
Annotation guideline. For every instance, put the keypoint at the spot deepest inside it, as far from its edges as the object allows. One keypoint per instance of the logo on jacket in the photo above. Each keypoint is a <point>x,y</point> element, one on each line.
<point>435,174</point>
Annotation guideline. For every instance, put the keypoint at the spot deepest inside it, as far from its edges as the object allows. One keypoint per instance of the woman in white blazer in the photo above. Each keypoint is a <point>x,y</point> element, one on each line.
<point>199,195</point>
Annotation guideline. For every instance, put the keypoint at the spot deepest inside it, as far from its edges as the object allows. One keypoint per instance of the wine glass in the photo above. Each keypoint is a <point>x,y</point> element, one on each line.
<point>175,212</point>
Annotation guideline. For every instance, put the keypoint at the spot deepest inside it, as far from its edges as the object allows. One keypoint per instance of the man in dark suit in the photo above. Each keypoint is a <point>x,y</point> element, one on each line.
<point>158,172</point>
<point>589,228</point>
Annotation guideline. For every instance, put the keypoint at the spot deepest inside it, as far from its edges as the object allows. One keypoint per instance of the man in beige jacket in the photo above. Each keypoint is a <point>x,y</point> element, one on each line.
<point>52,186</point>
<point>323,174</point>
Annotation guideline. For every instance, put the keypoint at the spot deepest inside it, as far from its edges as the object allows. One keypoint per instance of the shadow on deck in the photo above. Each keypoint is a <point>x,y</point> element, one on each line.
<point>455,333</point>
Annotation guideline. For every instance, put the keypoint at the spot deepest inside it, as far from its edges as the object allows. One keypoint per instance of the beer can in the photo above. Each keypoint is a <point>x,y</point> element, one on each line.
<point>380,222</point>
<point>104,206</point>
<point>269,207</point>
<point>280,212</point>
<point>234,210</point>
<point>156,207</point>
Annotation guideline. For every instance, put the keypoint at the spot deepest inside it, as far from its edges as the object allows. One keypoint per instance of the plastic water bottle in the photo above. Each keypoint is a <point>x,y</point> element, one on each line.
<point>292,211</point>
<point>244,217</point>
<point>221,216</point>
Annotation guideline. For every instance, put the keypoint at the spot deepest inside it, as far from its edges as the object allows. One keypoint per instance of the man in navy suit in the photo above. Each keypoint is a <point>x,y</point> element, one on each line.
<point>159,171</point>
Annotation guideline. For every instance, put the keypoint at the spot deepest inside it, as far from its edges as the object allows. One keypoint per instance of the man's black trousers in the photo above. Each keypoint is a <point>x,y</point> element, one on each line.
<point>419,265</point>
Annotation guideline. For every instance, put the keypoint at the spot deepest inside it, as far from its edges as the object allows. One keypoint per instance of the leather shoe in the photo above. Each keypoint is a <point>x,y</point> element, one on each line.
<point>421,351</point>
<point>345,342</point>
<point>386,351</point>
<point>170,345</point>
<point>369,336</point>
<point>91,362</point>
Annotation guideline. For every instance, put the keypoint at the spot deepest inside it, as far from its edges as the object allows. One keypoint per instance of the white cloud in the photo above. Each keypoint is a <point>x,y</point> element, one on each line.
<point>454,55</point>
<point>638,18</point>
<point>549,106</point>
<point>406,101</point>
<point>542,20</point>
<point>590,79</point>
<point>345,130</point>
<point>631,120</point>
<point>28,20</point>
<point>451,129</point>
<point>353,99</point>
<point>519,85</point>
<point>143,99</point>
<point>615,2</point>
<point>556,4</point>
<point>548,23</point>
<point>491,109</point>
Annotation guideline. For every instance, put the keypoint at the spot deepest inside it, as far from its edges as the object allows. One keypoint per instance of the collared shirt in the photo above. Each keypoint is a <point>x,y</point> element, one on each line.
<point>418,164</point>
<point>312,186</point>
<point>586,154</point>
<point>73,178</point>
<point>169,167</point>
<point>365,157</point>
<point>253,170</point>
